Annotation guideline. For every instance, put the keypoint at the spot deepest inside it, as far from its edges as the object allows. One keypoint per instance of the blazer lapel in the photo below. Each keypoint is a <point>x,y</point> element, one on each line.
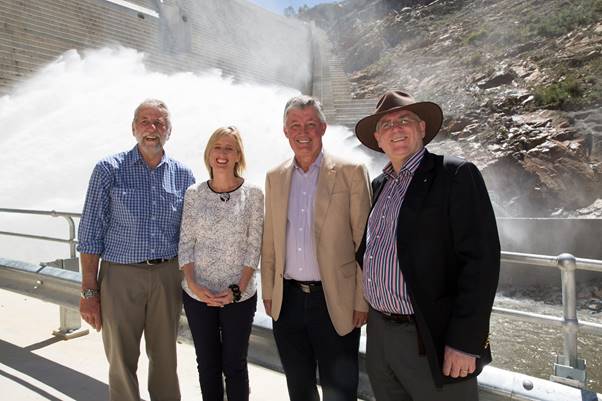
<point>419,186</point>
<point>377,186</point>
<point>280,219</point>
<point>326,180</point>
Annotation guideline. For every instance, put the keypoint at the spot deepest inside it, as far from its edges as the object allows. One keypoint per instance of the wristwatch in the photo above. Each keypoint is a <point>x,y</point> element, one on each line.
<point>89,293</point>
<point>236,295</point>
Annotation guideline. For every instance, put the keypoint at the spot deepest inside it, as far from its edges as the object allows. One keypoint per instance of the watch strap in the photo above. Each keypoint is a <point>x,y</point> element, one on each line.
<point>89,293</point>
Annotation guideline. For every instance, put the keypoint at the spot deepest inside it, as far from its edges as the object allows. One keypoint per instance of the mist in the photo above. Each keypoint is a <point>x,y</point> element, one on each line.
<point>79,108</point>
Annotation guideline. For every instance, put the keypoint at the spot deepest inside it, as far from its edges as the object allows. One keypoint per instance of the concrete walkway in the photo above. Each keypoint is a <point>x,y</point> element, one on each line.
<point>34,365</point>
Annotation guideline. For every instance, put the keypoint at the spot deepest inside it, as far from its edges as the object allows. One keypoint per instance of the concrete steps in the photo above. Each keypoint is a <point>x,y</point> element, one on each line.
<point>335,89</point>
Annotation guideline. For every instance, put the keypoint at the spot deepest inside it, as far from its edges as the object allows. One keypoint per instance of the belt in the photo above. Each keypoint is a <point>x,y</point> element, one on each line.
<point>152,262</point>
<point>397,318</point>
<point>307,286</point>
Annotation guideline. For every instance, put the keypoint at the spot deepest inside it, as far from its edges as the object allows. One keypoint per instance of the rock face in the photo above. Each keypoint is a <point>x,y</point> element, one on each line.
<point>520,84</point>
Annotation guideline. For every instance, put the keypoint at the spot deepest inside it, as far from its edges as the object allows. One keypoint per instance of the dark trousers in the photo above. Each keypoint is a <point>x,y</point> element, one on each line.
<point>221,341</point>
<point>398,372</point>
<point>306,339</point>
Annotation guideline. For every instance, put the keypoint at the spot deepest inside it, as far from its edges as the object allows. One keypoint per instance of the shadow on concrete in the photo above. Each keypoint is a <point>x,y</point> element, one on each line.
<point>42,344</point>
<point>65,380</point>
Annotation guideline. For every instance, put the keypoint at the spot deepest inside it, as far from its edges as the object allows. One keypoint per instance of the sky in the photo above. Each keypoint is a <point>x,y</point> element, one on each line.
<point>278,6</point>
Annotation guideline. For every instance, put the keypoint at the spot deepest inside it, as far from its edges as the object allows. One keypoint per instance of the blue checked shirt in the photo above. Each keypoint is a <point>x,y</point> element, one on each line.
<point>384,286</point>
<point>132,213</point>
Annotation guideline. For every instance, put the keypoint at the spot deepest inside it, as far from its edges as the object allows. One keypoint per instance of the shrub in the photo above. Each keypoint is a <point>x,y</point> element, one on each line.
<point>558,93</point>
<point>572,16</point>
<point>475,37</point>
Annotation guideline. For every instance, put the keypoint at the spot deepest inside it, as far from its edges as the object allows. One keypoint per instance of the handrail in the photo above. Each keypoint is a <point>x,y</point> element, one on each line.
<point>549,261</point>
<point>70,322</point>
<point>67,215</point>
<point>584,326</point>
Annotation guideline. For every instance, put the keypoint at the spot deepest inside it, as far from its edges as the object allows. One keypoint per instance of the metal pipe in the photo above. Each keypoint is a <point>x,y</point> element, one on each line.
<point>549,261</point>
<point>530,259</point>
<point>72,249</point>
<point>531,317</point>
<point>584,327</point>
<point>567,265</point>
<point>66,241</point>
<point>52,213</point>
<point>589,264</point>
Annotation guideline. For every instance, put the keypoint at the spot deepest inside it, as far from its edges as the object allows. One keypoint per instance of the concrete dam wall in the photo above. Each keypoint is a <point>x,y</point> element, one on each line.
<point>235,36</point>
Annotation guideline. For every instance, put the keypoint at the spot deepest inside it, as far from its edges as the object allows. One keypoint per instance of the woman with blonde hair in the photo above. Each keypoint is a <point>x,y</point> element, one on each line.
<point>220,244</point>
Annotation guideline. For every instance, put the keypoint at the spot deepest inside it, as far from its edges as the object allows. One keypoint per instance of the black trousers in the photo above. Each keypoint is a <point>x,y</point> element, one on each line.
<point>221,341</point>
<point>306,339</point>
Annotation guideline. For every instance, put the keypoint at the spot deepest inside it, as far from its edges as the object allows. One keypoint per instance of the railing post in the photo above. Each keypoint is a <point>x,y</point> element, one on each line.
<point>569,369</point>
<point>72,250</point>
<point>70,320</point>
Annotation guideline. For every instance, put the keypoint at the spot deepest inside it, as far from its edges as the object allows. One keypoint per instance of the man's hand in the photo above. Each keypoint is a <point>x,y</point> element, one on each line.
<point>89,308</point>
<point>267,304</point>
<point>457,364</point>
<point>359,318</point>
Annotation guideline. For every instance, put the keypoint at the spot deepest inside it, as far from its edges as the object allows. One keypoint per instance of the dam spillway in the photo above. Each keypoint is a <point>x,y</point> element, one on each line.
<point>239,38</point>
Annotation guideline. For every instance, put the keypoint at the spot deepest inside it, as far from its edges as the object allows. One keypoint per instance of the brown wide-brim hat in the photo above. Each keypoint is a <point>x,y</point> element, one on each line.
<point>428,112</point>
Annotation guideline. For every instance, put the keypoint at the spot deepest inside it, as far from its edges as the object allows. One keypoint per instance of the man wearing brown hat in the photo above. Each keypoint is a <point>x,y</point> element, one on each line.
<point>430,257</point>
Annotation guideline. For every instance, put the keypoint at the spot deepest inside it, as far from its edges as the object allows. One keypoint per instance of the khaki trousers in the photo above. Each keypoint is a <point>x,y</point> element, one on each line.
<point>136,299</point>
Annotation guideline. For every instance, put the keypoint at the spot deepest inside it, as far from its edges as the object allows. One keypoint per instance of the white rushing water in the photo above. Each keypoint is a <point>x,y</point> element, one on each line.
<point>78,109</point>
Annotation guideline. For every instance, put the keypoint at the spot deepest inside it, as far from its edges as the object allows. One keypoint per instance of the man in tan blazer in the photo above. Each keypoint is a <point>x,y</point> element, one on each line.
<point>316,209</point>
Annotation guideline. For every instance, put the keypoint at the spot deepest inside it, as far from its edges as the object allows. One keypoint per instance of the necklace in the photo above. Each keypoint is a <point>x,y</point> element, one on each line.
<point>224,196</point>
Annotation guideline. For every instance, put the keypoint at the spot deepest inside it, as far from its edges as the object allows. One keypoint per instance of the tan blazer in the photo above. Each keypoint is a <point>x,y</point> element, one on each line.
<point>341,209</point>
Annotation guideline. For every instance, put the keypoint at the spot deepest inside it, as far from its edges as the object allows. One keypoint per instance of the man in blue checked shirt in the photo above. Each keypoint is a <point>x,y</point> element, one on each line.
<point>131,225</point>
<point>430,258</point>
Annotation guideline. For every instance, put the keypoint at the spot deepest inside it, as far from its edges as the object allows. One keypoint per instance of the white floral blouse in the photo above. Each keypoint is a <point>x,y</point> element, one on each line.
<point>221,234</point>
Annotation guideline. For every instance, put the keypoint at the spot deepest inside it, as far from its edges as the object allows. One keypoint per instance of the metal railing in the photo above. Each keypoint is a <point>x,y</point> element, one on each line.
<point>70,321</point>
<point>568,369</point>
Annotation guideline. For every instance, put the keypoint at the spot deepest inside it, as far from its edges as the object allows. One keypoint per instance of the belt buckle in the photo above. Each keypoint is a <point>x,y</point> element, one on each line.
<point>397,318</point>
<point>305,288</point>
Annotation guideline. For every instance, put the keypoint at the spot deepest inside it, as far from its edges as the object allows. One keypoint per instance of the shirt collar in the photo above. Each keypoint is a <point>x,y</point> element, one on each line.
<point>134,156</point>
<point>315,165</point>
<point>408,168</point>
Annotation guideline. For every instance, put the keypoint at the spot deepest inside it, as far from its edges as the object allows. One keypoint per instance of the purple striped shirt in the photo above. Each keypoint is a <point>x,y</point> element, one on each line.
<point>384,286</point>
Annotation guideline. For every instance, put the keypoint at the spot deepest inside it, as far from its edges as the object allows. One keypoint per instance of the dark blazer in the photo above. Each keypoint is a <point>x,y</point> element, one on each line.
<point>449,253</point>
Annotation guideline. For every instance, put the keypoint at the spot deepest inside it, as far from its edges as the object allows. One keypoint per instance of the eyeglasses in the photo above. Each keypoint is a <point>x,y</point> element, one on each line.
<point>160,124</point>
<point>399,123</point>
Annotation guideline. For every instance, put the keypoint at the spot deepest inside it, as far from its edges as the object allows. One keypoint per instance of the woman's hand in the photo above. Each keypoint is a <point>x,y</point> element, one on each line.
<point>205,295</point>
<point>225,297</point>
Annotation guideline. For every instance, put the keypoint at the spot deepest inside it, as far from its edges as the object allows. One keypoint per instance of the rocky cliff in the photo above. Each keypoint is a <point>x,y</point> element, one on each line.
<point>520,83</point>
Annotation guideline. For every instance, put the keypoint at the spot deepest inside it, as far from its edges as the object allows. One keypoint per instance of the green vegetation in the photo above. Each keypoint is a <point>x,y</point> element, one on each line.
<point>573,15</point>
<point>474,37</point>
<point>559,93</point>
<point>582,88</point>
<point>475,59</point>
